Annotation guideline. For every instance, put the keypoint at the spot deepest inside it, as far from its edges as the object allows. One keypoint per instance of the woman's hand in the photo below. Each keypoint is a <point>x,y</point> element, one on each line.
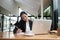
<point>19,30</point>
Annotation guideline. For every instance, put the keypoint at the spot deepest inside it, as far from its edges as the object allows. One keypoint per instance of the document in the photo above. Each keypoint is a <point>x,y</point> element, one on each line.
<point>29,33</point>
<point>21,33</point>
<point>26,33</point>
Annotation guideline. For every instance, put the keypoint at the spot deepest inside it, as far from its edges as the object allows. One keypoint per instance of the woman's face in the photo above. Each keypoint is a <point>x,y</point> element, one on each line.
<point>24,17</point>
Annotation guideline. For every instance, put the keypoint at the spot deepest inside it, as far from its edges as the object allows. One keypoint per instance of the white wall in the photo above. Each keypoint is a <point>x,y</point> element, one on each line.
<point>9,5</point>
<point>59,8</point>
<point>55,4</point>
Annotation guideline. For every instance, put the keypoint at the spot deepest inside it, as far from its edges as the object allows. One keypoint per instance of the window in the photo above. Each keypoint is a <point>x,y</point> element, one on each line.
<point>47,13</point>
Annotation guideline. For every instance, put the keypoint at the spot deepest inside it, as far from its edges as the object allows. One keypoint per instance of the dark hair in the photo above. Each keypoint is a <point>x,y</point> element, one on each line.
<point>22,13</point>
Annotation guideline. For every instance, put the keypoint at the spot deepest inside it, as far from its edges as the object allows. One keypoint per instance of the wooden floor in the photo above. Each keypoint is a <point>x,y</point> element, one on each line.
<point>11,36</point>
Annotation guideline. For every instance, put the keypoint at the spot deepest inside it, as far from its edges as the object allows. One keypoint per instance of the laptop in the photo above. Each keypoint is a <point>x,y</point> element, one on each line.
<point>41,26</point>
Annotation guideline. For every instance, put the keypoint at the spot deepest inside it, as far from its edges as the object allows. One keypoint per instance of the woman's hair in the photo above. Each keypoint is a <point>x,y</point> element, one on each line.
<point>22,13</point>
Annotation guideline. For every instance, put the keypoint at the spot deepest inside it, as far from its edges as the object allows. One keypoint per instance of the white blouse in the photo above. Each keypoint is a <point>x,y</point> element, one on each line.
<point>27,27</point>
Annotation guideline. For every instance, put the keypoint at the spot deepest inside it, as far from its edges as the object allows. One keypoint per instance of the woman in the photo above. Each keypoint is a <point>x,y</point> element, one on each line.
<point>24,25</point>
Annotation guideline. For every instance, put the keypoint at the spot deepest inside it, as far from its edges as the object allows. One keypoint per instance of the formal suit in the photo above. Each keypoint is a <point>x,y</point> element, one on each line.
<point>22,25</point>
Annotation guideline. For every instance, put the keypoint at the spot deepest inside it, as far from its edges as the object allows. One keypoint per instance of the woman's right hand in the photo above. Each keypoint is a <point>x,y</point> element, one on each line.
<point>19,30</point>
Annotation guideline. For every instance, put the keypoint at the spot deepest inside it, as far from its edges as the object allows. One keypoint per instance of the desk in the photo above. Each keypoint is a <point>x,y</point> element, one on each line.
<point>11,36</point>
